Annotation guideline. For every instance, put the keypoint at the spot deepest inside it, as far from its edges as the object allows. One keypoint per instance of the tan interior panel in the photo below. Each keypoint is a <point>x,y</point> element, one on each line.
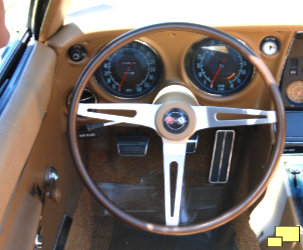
<point>53,20</point>
<point>22,228</point>
<point>22,117</point>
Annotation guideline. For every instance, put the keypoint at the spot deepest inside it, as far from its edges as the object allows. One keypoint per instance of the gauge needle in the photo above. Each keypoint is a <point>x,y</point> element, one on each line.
<point>218,71</point>
<point>231,76</point>
<point>125,75</point>
<point>300,93</point>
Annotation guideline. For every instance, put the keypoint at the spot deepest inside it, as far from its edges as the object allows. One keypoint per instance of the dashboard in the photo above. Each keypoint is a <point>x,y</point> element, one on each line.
<point>212,66</point>
<point>214,72</point>
<point>291,82</point>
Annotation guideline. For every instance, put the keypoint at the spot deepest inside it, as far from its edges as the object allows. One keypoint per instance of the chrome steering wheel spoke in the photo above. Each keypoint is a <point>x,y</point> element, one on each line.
<point>145,113</point>
<point>174,153</point>
<point>213,117</point>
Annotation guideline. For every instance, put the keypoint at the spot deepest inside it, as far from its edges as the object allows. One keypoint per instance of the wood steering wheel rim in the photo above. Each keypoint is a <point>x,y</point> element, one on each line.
<point>227,215</point>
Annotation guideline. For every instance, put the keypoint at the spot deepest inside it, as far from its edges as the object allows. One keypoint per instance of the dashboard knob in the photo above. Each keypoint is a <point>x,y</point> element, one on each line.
<point>270,46</point>
<point>77,53</point>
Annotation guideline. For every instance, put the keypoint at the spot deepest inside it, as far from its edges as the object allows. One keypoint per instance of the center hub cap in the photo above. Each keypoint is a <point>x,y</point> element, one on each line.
<point>175,121</point>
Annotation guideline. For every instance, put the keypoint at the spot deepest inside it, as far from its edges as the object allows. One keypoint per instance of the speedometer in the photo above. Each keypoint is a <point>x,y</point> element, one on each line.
<point>216,68</point>
<point>132,71</point>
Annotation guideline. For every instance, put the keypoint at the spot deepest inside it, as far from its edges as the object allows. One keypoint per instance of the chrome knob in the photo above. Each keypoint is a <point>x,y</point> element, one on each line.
<point>51,177</point>
<point>270,46</point>
<point>38,241</point>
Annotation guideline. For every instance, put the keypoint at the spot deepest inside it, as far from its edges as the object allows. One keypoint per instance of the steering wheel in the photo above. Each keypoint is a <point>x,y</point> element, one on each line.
<point>175,139</point>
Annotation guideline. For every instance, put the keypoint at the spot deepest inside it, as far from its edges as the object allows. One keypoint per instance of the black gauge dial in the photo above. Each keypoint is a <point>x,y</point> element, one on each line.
<point>216,68</point>
<point>132,71</point>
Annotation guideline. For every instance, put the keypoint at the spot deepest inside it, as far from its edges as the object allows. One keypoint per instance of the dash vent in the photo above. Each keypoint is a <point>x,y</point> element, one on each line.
<point>87,97</point>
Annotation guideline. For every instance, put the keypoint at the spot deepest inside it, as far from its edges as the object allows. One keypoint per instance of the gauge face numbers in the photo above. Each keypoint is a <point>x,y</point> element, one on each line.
<point>130,72</point>
<point>294,92</point>
<point>216,68</point>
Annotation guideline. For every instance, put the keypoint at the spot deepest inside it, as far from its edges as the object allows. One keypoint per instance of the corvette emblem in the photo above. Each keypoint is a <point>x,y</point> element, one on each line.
<point>175,121</point>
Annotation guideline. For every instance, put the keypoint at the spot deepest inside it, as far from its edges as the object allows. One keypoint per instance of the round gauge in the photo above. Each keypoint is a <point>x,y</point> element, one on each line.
<point>132,71</point>
<point>216,68</point>
<point>87,96</point>
<point>294,92</point>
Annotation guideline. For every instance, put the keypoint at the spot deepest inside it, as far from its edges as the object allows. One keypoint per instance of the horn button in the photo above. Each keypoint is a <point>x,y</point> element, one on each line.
<point>176,121</point>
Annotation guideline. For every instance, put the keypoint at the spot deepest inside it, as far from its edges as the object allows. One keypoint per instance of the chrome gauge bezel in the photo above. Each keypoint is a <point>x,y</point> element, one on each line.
<point>100,82</point>
<point>189,61</point>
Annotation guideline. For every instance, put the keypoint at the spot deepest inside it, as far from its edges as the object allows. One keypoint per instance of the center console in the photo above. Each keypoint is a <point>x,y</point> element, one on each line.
<point>291,87</point>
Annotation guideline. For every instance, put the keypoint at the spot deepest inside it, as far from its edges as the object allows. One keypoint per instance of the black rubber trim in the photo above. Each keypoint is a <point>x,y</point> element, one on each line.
<point>63,232</point>
<point>11,84</point>
<point>12,57</point>
<point>217,157</point>
<point>38,16</point>
<point>226,156</point>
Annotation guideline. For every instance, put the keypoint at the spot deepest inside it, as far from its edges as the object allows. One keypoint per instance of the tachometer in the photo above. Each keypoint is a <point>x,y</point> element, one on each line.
<point>132,71</point>
<point>216,68</point>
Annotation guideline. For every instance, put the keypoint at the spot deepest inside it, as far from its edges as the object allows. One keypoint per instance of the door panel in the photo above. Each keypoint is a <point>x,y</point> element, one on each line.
<point>21,228</point>
<point>22,117</point>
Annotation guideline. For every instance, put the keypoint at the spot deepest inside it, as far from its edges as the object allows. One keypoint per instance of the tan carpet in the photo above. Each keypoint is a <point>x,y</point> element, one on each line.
<point>106,166</point>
